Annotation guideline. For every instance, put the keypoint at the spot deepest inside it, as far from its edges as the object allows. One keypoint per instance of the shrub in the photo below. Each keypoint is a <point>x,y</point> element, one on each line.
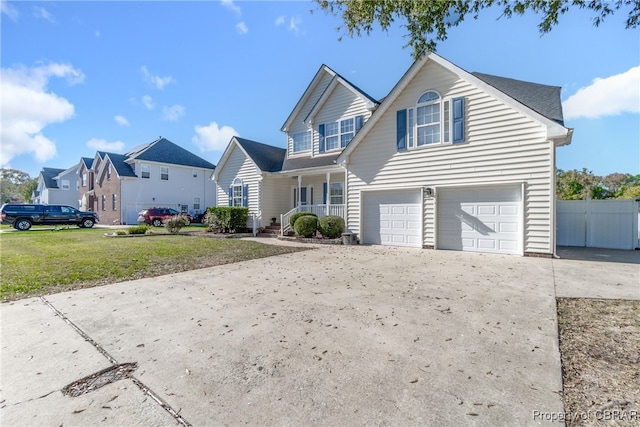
<point>226,219</point>
<point>175,223</point>
<point>306,225</point>
<point>121,232</point>
<point>293,218</point>
<point>138,229</point>
<point>331,226</point>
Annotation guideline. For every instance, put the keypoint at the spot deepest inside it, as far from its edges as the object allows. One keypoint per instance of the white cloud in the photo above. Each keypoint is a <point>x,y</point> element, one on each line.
<point>173,113</point>
<point>607,96</point>
<point>212,137</point>
<point>293,25</point>
<point>28,107</point>
<point>147,101</point>
<point>229,4</point>
<point>121,120</point>
<point>241,28</point>
<point>157,81</point>
<point>104,145</point>
<point>9,10</point>
<point>41,12</point>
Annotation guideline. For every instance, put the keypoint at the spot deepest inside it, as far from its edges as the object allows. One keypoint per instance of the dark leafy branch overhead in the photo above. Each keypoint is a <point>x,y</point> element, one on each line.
<point>429,21</point>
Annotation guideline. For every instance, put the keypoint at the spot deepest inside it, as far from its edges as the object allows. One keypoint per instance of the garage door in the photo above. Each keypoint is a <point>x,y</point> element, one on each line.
<point>484,219</point>
<point>392,218</point>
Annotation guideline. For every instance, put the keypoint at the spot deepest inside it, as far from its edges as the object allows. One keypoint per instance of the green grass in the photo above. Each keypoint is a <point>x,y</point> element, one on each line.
<point>41,262</point>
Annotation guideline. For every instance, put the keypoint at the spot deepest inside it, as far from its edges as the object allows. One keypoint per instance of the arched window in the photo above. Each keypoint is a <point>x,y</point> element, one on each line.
<point>433,120</point>
<point>238,193</point>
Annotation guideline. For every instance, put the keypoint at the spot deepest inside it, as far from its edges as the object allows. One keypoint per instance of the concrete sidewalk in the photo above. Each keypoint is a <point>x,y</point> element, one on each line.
<point>333,336</point>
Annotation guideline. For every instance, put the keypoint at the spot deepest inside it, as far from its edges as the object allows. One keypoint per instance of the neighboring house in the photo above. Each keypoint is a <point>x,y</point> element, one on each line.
<point>448,160</point>
<point>57,186</point>
<point>158,174</point>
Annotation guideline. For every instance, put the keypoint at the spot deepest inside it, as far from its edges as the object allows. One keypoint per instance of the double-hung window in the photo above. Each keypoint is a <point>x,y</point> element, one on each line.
<point>301,141</point>
<point>238,193</point>
<point>145,171</point>
<point>114,202</point>
<point>338,134</point>
<point>433,120</point>
<point>164,173</point>
<point>336,196</point>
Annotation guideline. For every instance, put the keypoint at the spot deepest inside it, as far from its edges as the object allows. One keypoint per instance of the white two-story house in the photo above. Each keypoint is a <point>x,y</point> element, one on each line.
<point>447,160</point>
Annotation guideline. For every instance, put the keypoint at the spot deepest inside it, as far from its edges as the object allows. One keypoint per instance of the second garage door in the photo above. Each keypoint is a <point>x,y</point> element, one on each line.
<point>483,219</point>
<point>392,218</point>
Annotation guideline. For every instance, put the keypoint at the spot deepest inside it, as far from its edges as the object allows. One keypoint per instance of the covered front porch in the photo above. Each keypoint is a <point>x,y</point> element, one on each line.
<point>319,193</point>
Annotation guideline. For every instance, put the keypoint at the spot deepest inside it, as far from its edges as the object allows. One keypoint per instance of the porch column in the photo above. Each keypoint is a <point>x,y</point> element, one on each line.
<point>299,185</point>
<point>328,195</point>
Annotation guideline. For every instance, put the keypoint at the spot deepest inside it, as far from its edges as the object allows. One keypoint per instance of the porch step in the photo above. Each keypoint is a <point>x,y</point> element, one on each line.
<point>271,230</point>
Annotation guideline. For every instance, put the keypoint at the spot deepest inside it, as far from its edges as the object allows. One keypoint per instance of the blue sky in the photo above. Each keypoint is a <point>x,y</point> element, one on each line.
<point>84,76</point>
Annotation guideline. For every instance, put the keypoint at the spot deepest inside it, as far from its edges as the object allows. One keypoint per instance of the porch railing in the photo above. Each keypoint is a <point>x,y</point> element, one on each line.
<point>319,210</point>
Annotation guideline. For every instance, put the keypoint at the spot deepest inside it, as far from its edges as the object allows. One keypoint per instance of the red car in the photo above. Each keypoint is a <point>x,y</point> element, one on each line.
<point>157,216</point>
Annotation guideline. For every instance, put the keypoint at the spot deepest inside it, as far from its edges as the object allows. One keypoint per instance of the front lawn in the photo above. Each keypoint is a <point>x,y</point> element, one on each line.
<point>40,262</point>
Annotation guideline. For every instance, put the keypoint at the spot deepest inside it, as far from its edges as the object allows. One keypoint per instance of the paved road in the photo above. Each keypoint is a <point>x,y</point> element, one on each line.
<point>349,335</point>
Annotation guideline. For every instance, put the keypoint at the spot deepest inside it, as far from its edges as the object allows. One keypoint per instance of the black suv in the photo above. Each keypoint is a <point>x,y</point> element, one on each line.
<point>23,216</point>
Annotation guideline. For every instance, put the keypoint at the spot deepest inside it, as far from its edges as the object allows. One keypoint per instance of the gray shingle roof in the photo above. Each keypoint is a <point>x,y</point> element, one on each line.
<point>309,162</point>
<point>47,176</point>
<point>88,162</point>
<point>267,157</point>
<point>164,151</point>
<point>540,98</point>
<point>119,163</point>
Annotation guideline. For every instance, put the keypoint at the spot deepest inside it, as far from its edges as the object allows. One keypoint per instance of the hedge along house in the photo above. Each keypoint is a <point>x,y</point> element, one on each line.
<point>457,160</point>
<point>277,182</point>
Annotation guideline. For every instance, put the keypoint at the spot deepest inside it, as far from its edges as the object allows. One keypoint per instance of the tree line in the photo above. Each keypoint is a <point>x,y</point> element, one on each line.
<point>16,186</point>
<point>580,185</point>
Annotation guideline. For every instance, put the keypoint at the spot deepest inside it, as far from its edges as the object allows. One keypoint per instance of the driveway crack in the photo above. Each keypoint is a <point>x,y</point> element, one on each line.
<point>144,388</point>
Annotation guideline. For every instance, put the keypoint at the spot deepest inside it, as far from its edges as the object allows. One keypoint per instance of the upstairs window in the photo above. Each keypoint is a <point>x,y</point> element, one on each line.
<point>194,173</point>
<point>433,120</point>
<point>84,179</point>
<point>109,171</point>
<point>301,141</point>
<point>65,184</point>
<point>337,135</point>
<point>164,173</point>
<point>145,171</point>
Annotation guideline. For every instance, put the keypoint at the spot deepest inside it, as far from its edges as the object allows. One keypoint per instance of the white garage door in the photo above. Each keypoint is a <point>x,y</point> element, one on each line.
<point>392,218</point>
<point>483,219</point>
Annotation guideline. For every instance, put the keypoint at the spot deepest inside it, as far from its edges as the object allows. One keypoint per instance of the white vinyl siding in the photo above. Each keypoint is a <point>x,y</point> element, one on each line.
<point>238,165</point>
<point>181,189</point>
<point>501,145</point>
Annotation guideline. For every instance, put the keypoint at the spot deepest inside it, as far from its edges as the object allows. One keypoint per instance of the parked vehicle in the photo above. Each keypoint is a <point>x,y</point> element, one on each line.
<point>23,216</point>
<point>157,216</point>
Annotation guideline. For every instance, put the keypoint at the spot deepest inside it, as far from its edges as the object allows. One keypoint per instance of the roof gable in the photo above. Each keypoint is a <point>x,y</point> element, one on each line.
<point>164,151</point>
<point>266,158</point>
<point>555,129</point>
<point>321,74</point>
<point>118,161</point>
<point>48,175</point>
<point>337,80</point>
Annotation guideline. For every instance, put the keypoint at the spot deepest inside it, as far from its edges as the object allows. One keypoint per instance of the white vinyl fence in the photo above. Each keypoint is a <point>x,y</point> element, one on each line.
<point>611,224</point>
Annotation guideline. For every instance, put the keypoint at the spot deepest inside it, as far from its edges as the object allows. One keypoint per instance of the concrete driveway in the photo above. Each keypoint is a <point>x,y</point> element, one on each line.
<point>349,335</point>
